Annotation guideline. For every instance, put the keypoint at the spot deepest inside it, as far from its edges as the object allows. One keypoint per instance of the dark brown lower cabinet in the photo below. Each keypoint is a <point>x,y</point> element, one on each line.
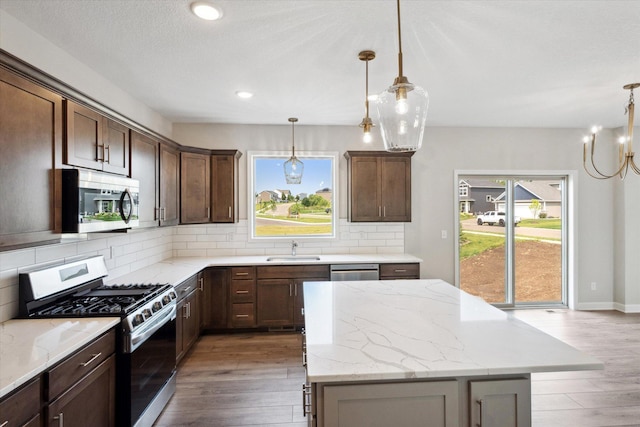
<point>89,402</point>
<point>213,298</point>
<point>187,315</point>
<point>280,299</point>
<point>22,407</point>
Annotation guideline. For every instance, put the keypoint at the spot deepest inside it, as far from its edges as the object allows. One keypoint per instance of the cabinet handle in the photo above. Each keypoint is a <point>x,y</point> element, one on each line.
<point>88,362</point>
<point>479,423</point>
<point>400,270</point>
<point>187,289</point>
<point>163,214</point>
<point>201,280</point>
<point>242,274</point>
<point>4,424</point>
<point>290,290</point>
<point>107,149</point>
<point>379,211</point>
<point>242,292</point>
<point>185,311</point>
<point>229,211</point>
<point>60,418</point>
<point>208,212</point>
<point>242,315</point>
<point>384,211</point>
<point>295,288</point>
<point>306,397</point>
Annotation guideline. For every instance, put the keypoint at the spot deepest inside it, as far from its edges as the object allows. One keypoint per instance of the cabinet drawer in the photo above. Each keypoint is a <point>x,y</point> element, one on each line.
<point>21,406</point>
<point>186,287</point>
<point>293,272</point>
<point>243,273</point>
<point>243,314</point>
<point>80,364</point>
<point>243,291</point>
<point>400,271</point>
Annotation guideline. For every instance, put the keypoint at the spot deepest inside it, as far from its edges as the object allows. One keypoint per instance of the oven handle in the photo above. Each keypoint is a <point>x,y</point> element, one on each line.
<point>137,338</point>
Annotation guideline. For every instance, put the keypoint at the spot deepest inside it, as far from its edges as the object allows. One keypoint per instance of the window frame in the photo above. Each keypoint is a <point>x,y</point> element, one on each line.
<point>285,155</point>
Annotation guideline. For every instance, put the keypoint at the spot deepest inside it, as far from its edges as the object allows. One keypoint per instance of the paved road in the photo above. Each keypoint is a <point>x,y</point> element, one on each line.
<point>544,233</point>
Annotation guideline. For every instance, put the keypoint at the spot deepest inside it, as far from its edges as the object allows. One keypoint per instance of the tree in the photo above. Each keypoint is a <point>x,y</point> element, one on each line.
<point>534,207</point>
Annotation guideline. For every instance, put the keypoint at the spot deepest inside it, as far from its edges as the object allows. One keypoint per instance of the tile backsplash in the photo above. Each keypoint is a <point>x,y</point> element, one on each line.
<point>126,252</point>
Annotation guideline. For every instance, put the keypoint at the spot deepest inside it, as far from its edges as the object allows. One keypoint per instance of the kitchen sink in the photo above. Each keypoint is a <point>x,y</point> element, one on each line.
<point>294,258</point>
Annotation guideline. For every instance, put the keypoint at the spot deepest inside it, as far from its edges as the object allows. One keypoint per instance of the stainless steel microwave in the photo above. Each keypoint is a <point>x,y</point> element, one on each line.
<point>96,201</point>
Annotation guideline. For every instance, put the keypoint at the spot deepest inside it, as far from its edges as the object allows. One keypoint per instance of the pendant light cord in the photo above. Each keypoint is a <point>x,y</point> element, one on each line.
<point>399,43</point>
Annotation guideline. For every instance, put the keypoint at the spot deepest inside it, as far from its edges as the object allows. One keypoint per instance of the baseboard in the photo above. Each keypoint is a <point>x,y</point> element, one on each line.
<point>595,306</point>
<point>627,308</point>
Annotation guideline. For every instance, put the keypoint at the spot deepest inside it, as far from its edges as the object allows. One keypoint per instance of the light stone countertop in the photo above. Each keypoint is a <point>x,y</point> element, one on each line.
<point>176,270</point>
<point>404,329</point>
<point>29,346</point>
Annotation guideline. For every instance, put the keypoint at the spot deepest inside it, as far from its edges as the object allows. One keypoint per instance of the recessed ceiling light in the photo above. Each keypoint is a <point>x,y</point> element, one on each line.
<point>244,94</point>
<point>206,11</point>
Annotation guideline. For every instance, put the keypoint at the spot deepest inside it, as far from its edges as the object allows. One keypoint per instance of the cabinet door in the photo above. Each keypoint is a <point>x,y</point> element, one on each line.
<point>180,320</point>
<point>84,144</point>
<point>116,147</point>
<point>364,191</point>
<point>31,123</point>
<point>144,168</point>
<point>21,406</point>
<point>169,185</point>
<point>399,271</point>
<point>195,188</point>
<point>500,403</point>
<point>90,402</point>
<point>428,404</point>
<point>396,189</point>
<point>214,299</point>
<point>275,302</point>
<point>191,324</point>
<point>224,188</point>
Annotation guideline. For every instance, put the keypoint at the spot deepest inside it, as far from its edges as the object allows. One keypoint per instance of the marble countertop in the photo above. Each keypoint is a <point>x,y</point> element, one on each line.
<point>403,329</point>
<point>29,346</point>
<point>176,270</point>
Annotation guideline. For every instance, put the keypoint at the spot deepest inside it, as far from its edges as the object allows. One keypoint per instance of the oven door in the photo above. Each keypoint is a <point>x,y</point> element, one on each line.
<point>146,369</point>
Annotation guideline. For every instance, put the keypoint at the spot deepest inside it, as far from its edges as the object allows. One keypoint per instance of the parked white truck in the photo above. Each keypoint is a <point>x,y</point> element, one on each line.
<point>495,217</point>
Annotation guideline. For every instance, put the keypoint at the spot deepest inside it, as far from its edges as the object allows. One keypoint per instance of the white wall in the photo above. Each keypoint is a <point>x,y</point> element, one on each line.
<point>433,190</point>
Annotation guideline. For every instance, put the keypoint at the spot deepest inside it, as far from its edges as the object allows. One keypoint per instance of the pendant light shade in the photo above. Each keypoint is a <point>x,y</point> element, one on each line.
<point>293,167</point>
<point>402,110</point>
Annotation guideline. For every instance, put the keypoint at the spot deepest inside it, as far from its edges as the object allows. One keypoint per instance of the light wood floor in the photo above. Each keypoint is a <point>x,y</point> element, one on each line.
<point>256,379</point>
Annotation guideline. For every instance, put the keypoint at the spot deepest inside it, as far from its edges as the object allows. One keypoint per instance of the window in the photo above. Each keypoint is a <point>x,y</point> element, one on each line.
<point>278,210</point>
<point>463,189</point>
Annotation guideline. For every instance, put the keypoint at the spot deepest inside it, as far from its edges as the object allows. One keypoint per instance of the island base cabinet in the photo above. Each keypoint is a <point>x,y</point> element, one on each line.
<point>492,401</point>
<point>427,404</point>
<point>503,403</point>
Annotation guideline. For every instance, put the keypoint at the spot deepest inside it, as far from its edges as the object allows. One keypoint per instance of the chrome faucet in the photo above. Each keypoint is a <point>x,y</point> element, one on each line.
<point>294,245</point>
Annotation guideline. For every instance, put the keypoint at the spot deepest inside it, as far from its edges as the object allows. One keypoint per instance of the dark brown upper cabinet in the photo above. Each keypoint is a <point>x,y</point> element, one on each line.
<point>224,186</point>
<point>94,141</point>
<point>31,123</point>
<point>195,188</point>
<point>379,186</point>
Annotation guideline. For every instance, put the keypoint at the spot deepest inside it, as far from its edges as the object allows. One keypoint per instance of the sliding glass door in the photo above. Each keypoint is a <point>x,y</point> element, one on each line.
<point>511,240</point>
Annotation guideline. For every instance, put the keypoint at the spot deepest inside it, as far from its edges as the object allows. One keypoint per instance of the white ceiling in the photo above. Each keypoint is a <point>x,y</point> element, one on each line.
<point>484,63</point>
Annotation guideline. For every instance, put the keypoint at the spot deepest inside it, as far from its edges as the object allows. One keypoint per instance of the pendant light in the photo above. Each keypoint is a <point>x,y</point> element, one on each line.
<point>402,110</point>
<point>293,167</point>
<point>625,157</point>
<point>366,124</point>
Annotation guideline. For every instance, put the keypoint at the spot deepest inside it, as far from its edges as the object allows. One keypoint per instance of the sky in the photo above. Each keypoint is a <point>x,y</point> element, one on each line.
<point>269,175</point>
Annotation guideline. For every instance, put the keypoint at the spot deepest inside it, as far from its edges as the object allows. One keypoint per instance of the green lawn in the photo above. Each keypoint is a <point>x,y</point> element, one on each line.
<point>551,223</point>
<point>297,230</point>
<point>302,219</point>
<point>474,244</point>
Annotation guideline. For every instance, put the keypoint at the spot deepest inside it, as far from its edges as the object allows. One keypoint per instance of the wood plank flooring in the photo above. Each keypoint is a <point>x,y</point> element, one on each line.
<point>256,379</point>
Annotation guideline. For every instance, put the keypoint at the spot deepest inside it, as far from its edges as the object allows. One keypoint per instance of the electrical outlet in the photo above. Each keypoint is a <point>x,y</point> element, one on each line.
<point>593,286</point>
<point>443,233</point>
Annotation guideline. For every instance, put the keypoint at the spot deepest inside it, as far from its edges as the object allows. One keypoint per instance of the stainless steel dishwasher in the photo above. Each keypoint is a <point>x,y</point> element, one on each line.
<point>346,272</point>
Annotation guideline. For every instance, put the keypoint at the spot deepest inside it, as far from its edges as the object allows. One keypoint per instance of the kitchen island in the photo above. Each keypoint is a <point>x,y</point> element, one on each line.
<point>421,353</point>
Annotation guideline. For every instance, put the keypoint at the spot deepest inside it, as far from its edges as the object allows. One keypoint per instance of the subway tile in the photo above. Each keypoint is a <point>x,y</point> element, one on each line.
<point>17,259</point>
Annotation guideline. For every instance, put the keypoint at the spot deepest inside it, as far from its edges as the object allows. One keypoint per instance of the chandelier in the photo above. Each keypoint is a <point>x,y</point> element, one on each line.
<point>625,149</point>
<point>366,123</point>
<point>293,167</point>
<point>402,110</point>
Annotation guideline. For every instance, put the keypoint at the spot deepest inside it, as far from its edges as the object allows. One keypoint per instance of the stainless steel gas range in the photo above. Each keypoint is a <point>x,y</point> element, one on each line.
<point>145,363</point>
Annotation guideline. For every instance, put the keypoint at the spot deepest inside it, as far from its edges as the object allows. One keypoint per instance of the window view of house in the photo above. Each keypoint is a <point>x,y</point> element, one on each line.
<point>522,264</point>
<point>281,210</point>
